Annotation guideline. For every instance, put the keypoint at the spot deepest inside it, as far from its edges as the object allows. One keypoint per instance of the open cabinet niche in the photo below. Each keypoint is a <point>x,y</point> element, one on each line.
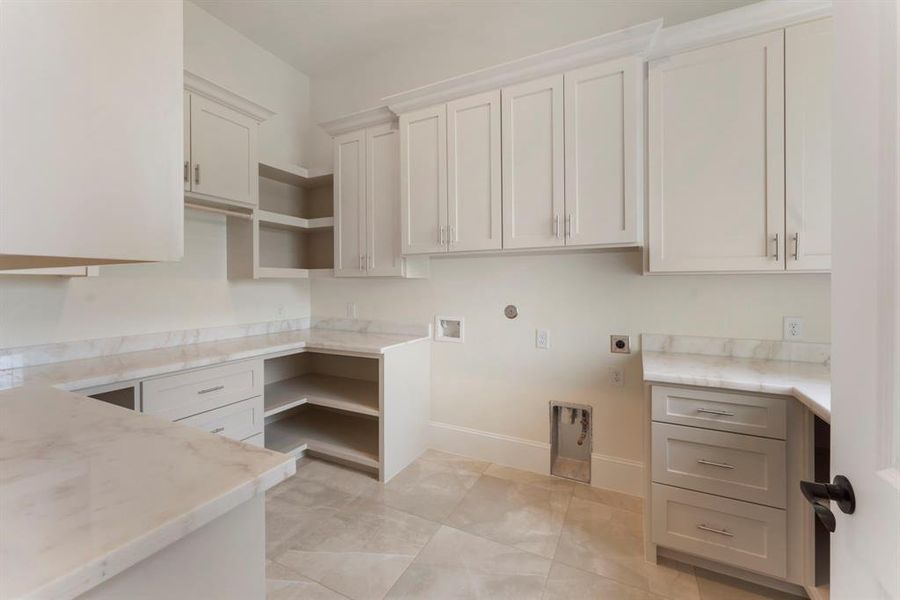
<point>290,235</point>
<point>326,405</point>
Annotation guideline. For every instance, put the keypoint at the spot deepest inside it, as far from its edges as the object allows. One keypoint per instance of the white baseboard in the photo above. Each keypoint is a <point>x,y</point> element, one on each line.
<point>610,472</point>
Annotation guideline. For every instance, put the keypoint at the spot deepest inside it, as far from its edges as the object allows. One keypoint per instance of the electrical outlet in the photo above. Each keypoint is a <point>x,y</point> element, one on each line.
<point>617,376</point>
<point>351,310</point>
<point>542,339</point>
<point>793,328</point>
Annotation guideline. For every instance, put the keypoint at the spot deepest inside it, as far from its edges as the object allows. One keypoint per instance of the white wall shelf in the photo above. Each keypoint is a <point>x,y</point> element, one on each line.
<point>290,222</point>
<point>337,435</point>
<point>295,174</point>
<point>351,395</point>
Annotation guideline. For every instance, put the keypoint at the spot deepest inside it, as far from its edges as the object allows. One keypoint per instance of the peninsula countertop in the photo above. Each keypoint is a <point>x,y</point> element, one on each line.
<point>808,382</point>
<point>88,489</point>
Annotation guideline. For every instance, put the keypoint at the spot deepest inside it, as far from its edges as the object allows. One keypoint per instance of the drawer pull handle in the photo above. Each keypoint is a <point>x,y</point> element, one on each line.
<point>712,411</point>
<point>218,430</point>
<point>712,463</point>
<point>215,388</point>
<point>724,532</point>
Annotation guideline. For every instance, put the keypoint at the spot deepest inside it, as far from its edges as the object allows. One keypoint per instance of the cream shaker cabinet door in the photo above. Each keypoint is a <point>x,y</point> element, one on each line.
<point>602,115</point>
<point>186,175</point>
<point>91,145</point>
<point>808,66</point>
<point>350,204</point>
<point>383,202</point>
<point>533,185</point>
<point>423,180</point>
<point>473,173</point>
<point>716,119</point>
<point>223,153</point>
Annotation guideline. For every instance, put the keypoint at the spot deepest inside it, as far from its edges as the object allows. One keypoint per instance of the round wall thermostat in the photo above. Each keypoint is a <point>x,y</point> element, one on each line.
<point>511,311</point>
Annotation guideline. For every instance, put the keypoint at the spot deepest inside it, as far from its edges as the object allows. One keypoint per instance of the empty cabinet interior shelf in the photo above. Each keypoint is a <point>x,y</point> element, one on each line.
<point>351,395</point>
<point>333,434</point>
<point>291,222</point>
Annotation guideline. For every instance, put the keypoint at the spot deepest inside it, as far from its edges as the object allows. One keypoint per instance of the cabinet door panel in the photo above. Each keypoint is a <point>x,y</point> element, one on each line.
<point>717,158</point>
<point>602,176</point>
<point>223,152</point>
<point>383,201</point>
<point>349,204</point>
<point>808,64</point>
<point>187,142</point>
<point>533,185</point>
<point>473,172</point>
<point>423,180</point>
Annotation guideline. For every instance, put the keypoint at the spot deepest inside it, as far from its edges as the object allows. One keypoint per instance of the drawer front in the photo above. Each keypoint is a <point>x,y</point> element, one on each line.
<point>179,396</point>
<point>726,464</point>
<point>256,440</point>
<point>237,421</point>
<point>739,413</point>
<point>737,533</point>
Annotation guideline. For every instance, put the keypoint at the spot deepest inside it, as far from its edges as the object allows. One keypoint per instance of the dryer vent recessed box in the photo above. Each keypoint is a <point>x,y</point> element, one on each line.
<point>449,329</point>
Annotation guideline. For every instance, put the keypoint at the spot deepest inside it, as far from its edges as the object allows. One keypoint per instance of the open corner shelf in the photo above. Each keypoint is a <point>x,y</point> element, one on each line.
<point>349,438</point>
<point>295,174</point>
<point>342,393</point>
<point>289,222</point>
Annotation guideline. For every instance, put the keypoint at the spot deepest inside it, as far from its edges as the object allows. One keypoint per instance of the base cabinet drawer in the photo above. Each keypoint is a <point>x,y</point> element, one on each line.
<point>738,413</point>
<point>741,534</point>
<point>178,396</point>
<point>743,467</point>
<point>237,421</point>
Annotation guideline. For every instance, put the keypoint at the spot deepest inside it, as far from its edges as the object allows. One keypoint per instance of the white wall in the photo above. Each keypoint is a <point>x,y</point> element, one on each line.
<point>133,299</point>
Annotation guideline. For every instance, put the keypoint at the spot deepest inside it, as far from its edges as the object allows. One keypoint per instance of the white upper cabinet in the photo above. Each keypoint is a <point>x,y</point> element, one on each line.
<point>716,172</point>
<point>423,180</point>
<point>223,159</point>
<point>603,176</point>
<point>533,160</point>
<point>91,149</point>
<point>808,67</point>
<point>473,173</point>
<point>382,201</point>
<point>349,203</point>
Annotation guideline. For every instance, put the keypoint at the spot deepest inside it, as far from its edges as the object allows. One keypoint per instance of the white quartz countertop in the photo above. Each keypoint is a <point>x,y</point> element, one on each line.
<point>809,382</point>
<point>88,489</point>
<point>129,366</point>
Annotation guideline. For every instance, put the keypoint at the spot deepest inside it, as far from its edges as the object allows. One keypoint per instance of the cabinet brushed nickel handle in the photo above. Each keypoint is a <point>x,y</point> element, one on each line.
<point>370,262</point>
<point>712,411</point>
<point>797,246</point>
<point>218,430</point>
<point>212,389</point>
<point>713,463</point>
<point>441,237</point>
<point>556,225</point>
<point>361,265</point>
<point>187,171</point>
<point>776,247</point>
<point>569,225</point>
<point>705,527</point>
<point>197,174</point>
<point>451,237</point>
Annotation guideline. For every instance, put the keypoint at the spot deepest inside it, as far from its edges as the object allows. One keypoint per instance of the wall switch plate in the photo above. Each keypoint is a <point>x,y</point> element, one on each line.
<point>617,376</point>
<point>620,344</point>
<point>351,310</point>
<point>542,339</point>
<point>793,328</point>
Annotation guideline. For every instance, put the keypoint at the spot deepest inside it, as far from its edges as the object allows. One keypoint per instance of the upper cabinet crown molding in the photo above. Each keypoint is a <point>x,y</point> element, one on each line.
<point>631,41</point>
<point>752,19</point>
<point>359,120</point>
<point>204,87</point>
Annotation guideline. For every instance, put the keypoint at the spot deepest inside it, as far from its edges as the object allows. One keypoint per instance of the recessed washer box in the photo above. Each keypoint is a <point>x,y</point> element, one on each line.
<point>449,329</point>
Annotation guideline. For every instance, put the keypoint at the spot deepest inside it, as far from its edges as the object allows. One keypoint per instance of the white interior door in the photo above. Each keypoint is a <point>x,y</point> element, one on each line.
<point>423,180</point>
<point>716,119</point>
<point>533,159</point>
<point>473,172</point>
<point>383,201</point>
<point>350,204</point>
<point>808,66</point>
<point>603,114</point>
<point>865,291</point>
<point>223,152</point>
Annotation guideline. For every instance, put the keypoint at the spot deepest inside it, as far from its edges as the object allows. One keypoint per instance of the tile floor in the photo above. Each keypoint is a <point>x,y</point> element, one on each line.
<point>453,527</point>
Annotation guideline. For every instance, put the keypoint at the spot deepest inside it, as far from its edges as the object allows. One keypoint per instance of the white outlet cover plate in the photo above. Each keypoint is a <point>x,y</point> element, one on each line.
<point>449,329</point>
<point>617,376</point>
<point>793,328</point>
<point>542,339</point>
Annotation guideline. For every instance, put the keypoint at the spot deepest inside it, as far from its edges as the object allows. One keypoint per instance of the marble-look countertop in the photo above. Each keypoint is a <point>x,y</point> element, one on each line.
<point>809,382</point>
<point>88,489</point>
<point>115,368</point>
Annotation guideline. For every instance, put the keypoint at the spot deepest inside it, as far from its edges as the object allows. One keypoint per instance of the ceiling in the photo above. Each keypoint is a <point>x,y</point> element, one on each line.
<point>321,37</point>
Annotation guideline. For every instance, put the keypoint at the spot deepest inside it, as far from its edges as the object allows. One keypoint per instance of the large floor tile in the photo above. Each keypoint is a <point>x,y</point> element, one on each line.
<point>719,587</point>
<point>633,504</point>
<point>456,564</point>
<point>279,589</point>
<point>569,583</point>
<point>523,515</point>
<point>609,542</point>
<point>285,519</point>
<point>454,461</point>
<point>359,550</point>
<point>345,479</point>
<point>519,476</point>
